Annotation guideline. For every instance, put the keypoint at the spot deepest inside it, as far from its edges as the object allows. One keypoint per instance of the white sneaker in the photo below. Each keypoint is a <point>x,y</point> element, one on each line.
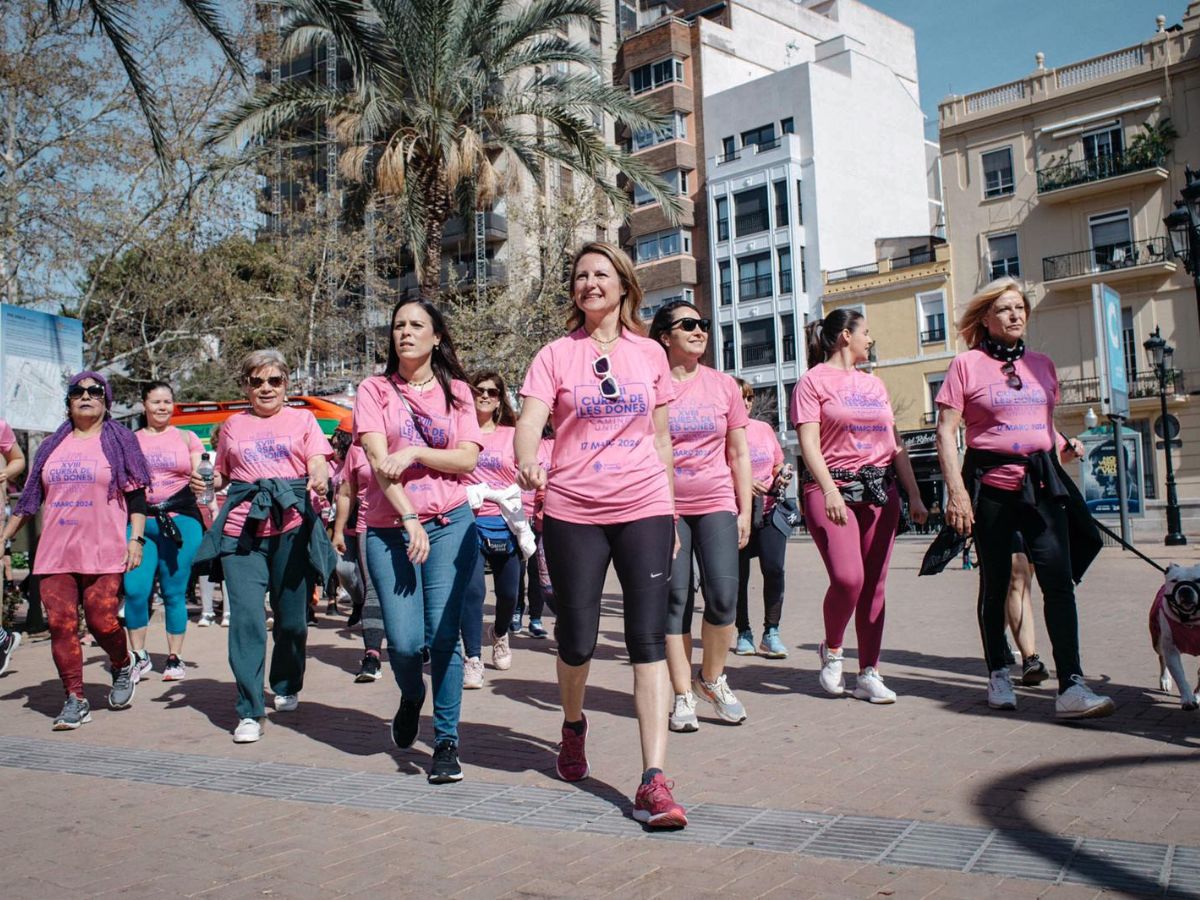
<point>725,702</point>
<point>225,620</point>
<point>1000,690</point>
<point>286,702</point>
<point>870,687</point>
<point>247,732</point>
<point>472,674</point>
<point>205,620</point>
<point>1080,702</point>
<point>832,679</point>
<point>501,654</point>
<point>683,715</point>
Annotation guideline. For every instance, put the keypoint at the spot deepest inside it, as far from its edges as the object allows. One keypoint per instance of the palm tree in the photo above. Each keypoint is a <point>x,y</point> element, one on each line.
<point>447,103</point>
<point>114,19</point>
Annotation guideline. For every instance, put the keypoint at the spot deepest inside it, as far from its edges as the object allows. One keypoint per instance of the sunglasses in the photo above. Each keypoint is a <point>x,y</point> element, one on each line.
<point>602,368</point>
<point>95,391</point>
<point>691,323</point>
<point>490,393</point>
<point>274,381</point>
<point>1013,380</point>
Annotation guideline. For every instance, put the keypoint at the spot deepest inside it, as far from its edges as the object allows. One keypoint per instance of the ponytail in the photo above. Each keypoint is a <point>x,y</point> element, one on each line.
<point>821,337</point>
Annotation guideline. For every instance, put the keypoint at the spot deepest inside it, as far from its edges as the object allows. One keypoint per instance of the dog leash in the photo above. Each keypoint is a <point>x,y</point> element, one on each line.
<point>1134,550</point>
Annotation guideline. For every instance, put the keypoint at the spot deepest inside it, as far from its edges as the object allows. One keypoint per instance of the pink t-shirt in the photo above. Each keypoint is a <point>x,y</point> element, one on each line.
<point>7,437</point>
<point>279,446</point>
<point>999,418</point>
<point>169,455</point>
<point>857,425</point>
<point>765,455</point>
<point>356,471</point>
<point>83,532</point>
<point>497,466</point>
<point>605,467</point>
<point>378,410</point>
<point>706,408</point>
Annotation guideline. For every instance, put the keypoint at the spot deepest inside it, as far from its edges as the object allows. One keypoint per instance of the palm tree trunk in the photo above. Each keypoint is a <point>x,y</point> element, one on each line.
<point>433,182</point>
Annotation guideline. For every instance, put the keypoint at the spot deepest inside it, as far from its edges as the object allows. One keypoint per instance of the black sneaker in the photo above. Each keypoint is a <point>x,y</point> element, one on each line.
<point>75,712</point>
<point>407,722</point>
<point>11,641</point>
<point>1033,671</point>
<point>445,768</point>
<point>355,617</point>
<point>369,670</point>
<point>311,619</point>
<point>536,629</point>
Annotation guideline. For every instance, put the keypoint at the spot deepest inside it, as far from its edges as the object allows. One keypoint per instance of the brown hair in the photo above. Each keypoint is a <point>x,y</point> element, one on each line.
<point>631,301</point>
<point>821,337</point>
<point>971,326</point>
<point>503,413</point>
<point>746,388</point>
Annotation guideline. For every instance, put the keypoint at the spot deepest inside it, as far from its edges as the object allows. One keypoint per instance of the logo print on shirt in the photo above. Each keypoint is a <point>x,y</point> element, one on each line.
<point>1002,396</point>
<point>693,419</point>
<point>72,471</point>
<point>429,431</point>
<point>161,460</point>
<point>853,399</point>
<point>591,404</point>
<point>268,448</point>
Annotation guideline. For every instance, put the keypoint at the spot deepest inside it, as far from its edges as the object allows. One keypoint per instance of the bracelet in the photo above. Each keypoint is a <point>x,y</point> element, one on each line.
<point>410,517</point>
<point>141,540</point>
<point>832,490</point>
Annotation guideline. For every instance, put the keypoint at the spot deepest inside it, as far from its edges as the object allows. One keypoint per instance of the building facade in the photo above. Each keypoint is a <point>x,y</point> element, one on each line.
<point>1062,179</point>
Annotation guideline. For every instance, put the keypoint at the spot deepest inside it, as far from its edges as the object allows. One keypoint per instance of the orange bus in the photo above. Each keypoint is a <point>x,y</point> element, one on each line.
<point>200,417</point>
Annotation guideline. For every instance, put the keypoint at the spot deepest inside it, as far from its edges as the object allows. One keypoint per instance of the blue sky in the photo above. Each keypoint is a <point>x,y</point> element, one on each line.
<point>967,45</point>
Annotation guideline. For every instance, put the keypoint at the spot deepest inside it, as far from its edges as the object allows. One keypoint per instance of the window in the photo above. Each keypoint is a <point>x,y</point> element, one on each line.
<point>785,270</point>
<point>933,317</point>
<point>676,180</point>
<point>799,206</point>
<point>803,273</point>
<point>764,134</point>
<point>998,172</point>
<point>1129,343</point>
<point>673,130</point>
<point>787,325</point>
<point>754,276</point>
<point>935,384</point>
<point>728,149</point>
<point>787,126</point>
<point>727,360</point>
<point>781,204</point>
<point>648,311</point>
<point>1002,255</point>
<point>725,276</point>
<point>1108,142</point>
<point>647,78</point>
<point>758,343</point>
<point>750,211</point>
<point>722,218</point>
<point>766,405</point>
<point>1112,241</point>
<point>663,243</point>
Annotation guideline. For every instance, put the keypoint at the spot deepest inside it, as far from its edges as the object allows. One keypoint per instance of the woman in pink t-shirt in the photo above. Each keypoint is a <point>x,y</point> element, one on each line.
<point>852,455</point>
<point>14,465</point>
<point>1011,482</point>
<point>417,424</point>
<point>88,479</point>
<point>608,499</point>
<point>713,500</point>
<point>173,531</point>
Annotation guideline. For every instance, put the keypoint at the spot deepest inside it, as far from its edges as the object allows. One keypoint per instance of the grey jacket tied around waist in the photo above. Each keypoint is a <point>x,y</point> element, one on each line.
<point>271,497</point>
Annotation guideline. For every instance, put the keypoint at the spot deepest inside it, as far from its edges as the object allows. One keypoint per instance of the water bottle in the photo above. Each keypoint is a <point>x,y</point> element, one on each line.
<point>205,470</point>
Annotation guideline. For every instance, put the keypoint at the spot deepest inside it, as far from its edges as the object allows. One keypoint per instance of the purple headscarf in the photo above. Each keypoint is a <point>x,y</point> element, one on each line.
<point>121,449</point>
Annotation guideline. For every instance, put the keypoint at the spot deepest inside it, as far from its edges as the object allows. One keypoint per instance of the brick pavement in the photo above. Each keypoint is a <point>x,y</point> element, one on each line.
<point>936,756</point>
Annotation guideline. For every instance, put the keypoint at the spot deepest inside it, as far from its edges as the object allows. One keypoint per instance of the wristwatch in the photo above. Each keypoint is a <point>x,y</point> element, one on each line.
<point>141,540</point>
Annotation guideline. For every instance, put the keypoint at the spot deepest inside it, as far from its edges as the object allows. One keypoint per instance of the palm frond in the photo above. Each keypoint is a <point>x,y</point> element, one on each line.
<point>208,17</point>
<point>273,111</point>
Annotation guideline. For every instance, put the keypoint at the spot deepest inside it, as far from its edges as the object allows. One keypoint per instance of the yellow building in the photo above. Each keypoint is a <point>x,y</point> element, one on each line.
<point>907,297</point>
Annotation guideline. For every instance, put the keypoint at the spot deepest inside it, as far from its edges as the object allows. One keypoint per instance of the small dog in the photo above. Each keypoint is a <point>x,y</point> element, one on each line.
<point>1175,629</point>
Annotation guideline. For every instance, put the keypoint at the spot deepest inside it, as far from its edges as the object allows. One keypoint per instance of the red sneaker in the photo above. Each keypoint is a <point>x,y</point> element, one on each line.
<point>655,806</point>
<point>572,762</point>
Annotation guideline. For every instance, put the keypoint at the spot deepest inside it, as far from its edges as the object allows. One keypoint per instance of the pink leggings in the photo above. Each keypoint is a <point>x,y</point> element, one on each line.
<point>856,556</point>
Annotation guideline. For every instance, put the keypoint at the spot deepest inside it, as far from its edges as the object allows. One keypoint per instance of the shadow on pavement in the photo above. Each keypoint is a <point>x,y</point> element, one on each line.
<point>47,698</point>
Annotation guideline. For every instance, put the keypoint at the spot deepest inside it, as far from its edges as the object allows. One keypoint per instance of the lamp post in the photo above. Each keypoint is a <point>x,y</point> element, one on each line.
<point>1183,225</point>
<point>1160,353</point>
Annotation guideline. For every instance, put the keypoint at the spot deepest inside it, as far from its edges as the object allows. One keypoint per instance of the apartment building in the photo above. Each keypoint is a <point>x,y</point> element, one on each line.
<point>1062,178</point>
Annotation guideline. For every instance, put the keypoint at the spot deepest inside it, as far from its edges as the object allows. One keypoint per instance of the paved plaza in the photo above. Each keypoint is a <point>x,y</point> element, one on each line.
<point>812,797</point>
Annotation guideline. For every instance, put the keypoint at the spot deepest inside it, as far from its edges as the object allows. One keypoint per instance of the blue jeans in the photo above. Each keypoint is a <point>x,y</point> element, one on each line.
<point>422,606</point>
<point>172,565</point>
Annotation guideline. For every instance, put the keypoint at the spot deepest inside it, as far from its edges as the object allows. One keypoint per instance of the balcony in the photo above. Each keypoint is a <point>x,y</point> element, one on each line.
<point>764,146</point>
<point>852,272</point>
<point>934,335</point>
<point>785,282</point>
<point>457,275</point>
<point>1109,263</point>
<point>758,354</point>
<point>756,288</point>
<point>1074,180</point>
<point>1142,385</point>
<point>459,230</point>
<point>729,157</point>
<point>750,223</point>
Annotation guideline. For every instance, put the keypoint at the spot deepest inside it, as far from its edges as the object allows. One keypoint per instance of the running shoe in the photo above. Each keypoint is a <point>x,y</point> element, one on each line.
<point>772,645</point>
<point>654,806</point>
<point>514,626</point>
<point>831,678</point>
<point>141,662</point>
<point>124,683</point>
<point>870,687</point>
<point>683,714</point>
<point>206,619</point>
<point>75,712</point>
<point>1080,702</point>
<point>472,674</point>
<point>369,671</point>
<point>311,617</point>
<point>174,669</point>
<point>331,608</point>
<point>572,764</point>
<point>501,654</point>
<point>745,643</point>
<point>1033,671</point>
<point>725,703</point>
<point>536,629</point>
<point>407,721</point>
<point>445,768</point>
<point>11,642</point>
<point>355,617</point>
<point>286,702</point>
<point>1000,690</point>
<point>248,731</point>
<point>270,622</point>
<point>225,620</point>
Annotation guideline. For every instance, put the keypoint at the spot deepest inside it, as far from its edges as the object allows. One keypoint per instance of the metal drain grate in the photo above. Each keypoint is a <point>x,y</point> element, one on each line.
<point>1138,868</point>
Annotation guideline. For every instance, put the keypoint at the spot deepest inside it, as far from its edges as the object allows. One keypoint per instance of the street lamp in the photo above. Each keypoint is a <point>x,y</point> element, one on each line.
<point>1183,226</point>
<point>1160,353</point>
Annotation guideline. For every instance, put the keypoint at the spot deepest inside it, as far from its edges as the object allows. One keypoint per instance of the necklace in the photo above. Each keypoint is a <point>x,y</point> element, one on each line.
<point>417,384</point>
<point>605,344</point>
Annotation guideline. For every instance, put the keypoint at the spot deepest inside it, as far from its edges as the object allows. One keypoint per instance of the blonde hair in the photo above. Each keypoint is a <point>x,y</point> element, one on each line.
<point>971,326</point>
<point>261,359</point>
<point>631,302</point>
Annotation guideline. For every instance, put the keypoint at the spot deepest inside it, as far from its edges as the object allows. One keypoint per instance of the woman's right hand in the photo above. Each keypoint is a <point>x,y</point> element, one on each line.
<point>418,542</point>
<point>835,508</point>
<point>760,488</point>
<point>531,477</point>
<point>197,484</point>
<point>959,514</point>
<point>339,542</point>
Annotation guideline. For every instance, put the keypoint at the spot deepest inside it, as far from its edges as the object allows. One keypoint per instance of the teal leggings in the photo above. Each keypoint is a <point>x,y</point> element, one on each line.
<point>172,565</point>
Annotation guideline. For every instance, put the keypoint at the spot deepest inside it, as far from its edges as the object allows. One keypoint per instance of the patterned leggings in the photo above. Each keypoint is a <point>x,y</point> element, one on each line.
<point>101,598</point>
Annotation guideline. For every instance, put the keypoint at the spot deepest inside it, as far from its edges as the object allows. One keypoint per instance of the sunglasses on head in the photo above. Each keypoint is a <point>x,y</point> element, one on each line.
<point>1012,379</point>
<point>490,393</point>
<point>95,391</point>
<point>273,380</point>
<point>602,368</point>
<point>691,323</point>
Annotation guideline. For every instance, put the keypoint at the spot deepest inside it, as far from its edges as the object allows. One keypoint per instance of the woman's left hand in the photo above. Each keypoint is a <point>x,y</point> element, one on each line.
<point>1072,450</point>
<point>133,555</point>
<point>743,526</point>
<point>917,511</point>
<point>394,464</point>
<point>418,542</point>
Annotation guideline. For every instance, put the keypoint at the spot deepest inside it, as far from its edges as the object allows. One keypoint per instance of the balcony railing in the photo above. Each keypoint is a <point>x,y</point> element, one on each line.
<point>755,288</point>
<point>789,348</point>
<point>932,335</point>
<point>750,222</point>
<point>1105,258</point>
<point>1141,385</point>
<point>729,157</point>
<point>764,146</point>
<point>929,418</point>
<point>785,282</point>
<point>758,354</point>
<point>916,257</point>
<point>1068,174</point>
<point>852,272</point>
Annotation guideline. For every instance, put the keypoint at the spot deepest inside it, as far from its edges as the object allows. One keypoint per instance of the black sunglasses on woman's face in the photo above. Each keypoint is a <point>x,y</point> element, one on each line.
<point>95,391</point>
<point>490,393</point>
<point>274,381</point>
<point>691,323</point>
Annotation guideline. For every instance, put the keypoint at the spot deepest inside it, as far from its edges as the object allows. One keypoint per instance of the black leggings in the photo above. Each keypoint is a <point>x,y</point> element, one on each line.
<point>999,514</point>
<point>578,555</point>
<point>769,544</point>
<point>713,538</point>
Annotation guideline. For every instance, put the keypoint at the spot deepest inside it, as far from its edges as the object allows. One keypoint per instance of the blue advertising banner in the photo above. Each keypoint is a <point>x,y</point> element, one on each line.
<point>1110,351</point>
<point>1099,472</point>
<point>40,353</point>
